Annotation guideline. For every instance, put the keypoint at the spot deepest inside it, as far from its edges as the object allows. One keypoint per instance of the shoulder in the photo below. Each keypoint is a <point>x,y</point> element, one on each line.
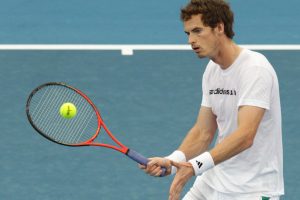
<point>254,59</point>
<point>256,72</point>
<point>256,63</point>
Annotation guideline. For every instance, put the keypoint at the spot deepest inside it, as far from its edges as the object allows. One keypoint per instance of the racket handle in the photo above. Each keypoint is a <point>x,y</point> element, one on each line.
<point>142,159</point>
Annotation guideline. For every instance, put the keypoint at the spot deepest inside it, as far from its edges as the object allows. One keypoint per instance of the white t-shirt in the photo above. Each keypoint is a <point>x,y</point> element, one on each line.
<point>250,80</point>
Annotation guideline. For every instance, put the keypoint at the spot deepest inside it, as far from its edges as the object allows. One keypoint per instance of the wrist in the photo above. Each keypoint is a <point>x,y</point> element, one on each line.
<point>202,163</point>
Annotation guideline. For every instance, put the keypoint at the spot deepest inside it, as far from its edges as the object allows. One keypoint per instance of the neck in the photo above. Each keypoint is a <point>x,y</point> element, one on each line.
<point>226,53</point>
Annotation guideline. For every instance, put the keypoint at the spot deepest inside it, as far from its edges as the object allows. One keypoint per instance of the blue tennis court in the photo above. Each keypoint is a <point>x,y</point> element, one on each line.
<point>145,99</point>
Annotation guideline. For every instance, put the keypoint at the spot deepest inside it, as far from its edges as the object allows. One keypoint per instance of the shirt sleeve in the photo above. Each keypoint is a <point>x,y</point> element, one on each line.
<point>256,88</point>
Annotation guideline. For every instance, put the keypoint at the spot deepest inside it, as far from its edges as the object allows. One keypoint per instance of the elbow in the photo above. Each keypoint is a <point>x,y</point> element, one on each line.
<point>248,140</point>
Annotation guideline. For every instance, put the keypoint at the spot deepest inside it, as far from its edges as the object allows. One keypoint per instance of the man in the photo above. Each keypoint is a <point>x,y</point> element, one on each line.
<point>241,102</point>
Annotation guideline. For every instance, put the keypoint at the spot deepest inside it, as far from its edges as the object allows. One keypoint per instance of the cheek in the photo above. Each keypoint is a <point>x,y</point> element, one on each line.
<point>211,42</point>
<point>205,39</point>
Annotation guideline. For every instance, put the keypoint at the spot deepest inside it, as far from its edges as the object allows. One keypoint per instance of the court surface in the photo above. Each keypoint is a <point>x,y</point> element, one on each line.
<point>148,101</point>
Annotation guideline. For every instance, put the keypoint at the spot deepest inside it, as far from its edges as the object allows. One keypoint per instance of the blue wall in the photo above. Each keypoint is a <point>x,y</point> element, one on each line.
<point>137,22</point>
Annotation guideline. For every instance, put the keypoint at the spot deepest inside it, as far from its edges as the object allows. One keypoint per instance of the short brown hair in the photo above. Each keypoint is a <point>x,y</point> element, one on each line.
<point>213,12</point>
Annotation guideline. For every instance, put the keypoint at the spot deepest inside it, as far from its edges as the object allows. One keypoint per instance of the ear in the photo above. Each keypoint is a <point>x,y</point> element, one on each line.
<point>220,28</point>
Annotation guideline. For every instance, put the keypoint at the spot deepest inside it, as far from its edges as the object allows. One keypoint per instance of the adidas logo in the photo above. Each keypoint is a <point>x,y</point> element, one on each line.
<point>222,91</point>
<point>199,164</point>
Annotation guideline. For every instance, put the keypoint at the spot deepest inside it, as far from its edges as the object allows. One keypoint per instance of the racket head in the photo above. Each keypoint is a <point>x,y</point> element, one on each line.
<point>42,109</point>
<point>43,112</point>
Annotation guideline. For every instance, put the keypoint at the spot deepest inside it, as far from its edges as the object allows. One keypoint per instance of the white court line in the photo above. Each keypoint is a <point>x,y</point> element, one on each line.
<point>130,48</point>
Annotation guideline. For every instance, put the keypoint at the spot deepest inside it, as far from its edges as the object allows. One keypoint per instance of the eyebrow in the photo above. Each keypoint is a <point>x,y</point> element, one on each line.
<point>194,30</point>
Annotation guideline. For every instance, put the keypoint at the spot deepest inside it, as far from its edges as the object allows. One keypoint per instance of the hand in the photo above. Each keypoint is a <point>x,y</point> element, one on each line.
<point>184,172</point>
<point>154,165</point>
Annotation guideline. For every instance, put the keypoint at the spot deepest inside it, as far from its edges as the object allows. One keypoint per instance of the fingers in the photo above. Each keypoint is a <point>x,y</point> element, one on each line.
<point>153,170</point>
<point>180,164</point>
<point>154,166</point>
<point>163,162</point>
<point>175,164</point>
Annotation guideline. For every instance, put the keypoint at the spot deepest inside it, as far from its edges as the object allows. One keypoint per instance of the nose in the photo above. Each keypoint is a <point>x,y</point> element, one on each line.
<point>191,39</point>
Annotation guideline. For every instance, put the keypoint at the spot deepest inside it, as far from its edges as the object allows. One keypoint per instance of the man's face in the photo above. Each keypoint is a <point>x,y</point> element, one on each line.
<point>203,39</point>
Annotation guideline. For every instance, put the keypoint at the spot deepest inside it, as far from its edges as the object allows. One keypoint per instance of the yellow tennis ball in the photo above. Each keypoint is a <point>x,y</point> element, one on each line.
<point>68,110</point>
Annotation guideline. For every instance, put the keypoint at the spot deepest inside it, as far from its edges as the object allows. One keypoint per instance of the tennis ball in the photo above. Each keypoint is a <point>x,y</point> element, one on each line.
<point>68,110</point>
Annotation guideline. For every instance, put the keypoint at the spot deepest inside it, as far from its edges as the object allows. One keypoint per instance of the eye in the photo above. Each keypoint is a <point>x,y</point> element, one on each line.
<point>197,30</point>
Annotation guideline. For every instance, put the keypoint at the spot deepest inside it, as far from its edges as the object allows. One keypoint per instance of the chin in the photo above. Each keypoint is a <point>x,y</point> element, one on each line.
<point>201,55</point>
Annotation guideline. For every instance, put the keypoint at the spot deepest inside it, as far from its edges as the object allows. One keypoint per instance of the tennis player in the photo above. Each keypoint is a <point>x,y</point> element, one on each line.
<point>241,103</point>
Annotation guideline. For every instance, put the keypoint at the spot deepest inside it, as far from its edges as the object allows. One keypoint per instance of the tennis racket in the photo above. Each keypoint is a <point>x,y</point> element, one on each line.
<point>42,109</point>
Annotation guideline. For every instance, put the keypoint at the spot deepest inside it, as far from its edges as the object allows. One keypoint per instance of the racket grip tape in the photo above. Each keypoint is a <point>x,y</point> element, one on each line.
<point>141,159</point>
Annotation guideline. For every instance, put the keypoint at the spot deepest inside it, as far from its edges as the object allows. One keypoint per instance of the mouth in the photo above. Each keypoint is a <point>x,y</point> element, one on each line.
<point>196,49</point>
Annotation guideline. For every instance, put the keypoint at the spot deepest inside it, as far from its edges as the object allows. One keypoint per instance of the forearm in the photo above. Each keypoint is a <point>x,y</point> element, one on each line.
<point>232,145</point>
<point>198,138</point>
<point>196,142</point>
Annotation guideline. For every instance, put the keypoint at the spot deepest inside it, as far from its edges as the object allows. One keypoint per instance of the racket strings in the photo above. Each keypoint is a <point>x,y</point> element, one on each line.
<point>81,125</point>
<point>44,113</point>
<point>46,107</point>
<point>66,127</point>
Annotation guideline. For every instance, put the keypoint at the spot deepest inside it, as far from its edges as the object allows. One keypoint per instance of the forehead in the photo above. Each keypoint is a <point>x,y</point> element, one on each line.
<point>195,21</point>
